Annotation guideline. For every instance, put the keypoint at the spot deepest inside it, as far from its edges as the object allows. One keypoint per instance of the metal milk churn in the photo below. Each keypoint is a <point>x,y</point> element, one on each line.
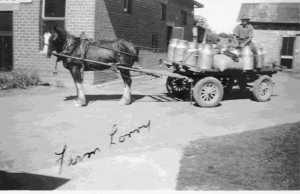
<point>199,47</point>
<point>180,50</point>
<point>260,58</point>
<point>171,49</point>
<point>206,57</point>
<point>237,52</point>
<point>191,54</point>
<point>248,58</point>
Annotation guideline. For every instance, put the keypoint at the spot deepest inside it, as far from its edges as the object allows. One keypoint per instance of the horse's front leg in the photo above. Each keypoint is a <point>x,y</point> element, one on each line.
<point>74,83</point>
<point>126,98</point>
<point>75,71</point>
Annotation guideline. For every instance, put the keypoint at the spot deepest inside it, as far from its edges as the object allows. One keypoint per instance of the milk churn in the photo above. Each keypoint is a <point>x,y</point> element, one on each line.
<point>171,48</point>
<point>248,58</point>
<point>180,50</point>
<point>206,57</point>
<point>200,47</point>
<point>260,58</point>
<point>191,54</point>
<point>237,52</point>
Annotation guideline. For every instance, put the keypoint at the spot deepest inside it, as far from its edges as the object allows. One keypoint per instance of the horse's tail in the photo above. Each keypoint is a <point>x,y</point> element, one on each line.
<point>129,48</point>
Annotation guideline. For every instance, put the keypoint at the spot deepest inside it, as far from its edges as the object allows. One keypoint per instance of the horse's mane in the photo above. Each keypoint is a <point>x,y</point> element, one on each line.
<point>62,33</point>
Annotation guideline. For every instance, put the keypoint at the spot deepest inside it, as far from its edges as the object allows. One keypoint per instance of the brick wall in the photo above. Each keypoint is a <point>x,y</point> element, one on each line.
<point>112,21</point>
<point>268,36</point>
<point>270,42</point>
<point>26,40</point>
<point>80,16</point>
<point>26,37</point>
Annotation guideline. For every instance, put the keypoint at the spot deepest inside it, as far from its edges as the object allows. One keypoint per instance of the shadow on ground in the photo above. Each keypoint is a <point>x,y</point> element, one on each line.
<point>235,94</point>
<point>135,97</point>
<point>26,181</point>
<point>264,159</point>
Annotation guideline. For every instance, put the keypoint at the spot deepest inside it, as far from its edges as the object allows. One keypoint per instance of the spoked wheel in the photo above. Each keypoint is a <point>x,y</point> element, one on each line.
<point>227,83</point>
<point>208,92</point>
<point>178,87</point>
<point>263,88</point>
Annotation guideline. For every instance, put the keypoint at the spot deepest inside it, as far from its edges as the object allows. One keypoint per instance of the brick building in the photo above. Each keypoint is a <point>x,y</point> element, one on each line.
<point>143,22</point>
<point>277,30</point>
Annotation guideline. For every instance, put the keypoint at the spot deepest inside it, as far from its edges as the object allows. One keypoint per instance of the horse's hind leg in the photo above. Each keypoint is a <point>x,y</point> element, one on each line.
<point>75,71</point>
<point>126,98</point>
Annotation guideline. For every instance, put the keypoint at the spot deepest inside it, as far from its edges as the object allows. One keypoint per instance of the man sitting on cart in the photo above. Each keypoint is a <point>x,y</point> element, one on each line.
<point>243,34</point>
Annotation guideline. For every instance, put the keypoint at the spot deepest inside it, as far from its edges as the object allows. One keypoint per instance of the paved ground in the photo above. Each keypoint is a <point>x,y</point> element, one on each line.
<point>38,123</point>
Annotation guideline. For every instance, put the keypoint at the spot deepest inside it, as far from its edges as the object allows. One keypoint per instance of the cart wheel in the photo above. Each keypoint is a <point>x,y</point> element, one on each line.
<point>178,87</point>
<point>263,88</point>
<point>227,83</point>
<point>208,92</point>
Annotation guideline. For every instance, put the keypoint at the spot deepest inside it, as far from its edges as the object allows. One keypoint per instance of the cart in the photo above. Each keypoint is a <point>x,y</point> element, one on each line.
<point>208,87</point>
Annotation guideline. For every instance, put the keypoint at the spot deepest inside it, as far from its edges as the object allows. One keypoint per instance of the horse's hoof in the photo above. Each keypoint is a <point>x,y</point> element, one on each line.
<point>79,103</point>
<point>125,101</point>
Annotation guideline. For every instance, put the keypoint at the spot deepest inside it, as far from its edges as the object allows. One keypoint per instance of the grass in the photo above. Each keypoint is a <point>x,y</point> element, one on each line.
<point>19,79</point>
<point>266,159</point>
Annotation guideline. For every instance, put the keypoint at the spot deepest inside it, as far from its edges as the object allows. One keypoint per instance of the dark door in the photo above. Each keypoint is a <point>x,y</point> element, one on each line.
<point>6,41</point>
<point>287,51</point>
<point>169,34</point>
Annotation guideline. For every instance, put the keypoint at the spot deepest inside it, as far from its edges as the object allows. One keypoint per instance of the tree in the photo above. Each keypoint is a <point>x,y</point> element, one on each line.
<point>212,37</point>
<point>200,21</point>
<point>223,35</point>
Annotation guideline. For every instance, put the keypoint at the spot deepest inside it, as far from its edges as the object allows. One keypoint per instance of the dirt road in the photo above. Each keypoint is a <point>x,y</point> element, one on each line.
<point>149,133</point>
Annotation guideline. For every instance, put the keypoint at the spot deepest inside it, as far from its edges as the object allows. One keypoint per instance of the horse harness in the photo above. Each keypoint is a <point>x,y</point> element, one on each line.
<point>72,42</point>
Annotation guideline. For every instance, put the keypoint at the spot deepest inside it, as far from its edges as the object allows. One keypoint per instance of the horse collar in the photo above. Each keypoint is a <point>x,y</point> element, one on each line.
<point>69,42</point>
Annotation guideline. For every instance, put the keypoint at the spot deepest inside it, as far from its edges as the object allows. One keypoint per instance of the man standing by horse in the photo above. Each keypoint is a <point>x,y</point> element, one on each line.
<point>243,34</point>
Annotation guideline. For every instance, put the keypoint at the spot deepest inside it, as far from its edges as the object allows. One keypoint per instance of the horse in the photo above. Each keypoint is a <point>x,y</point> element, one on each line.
<point>115,52</point>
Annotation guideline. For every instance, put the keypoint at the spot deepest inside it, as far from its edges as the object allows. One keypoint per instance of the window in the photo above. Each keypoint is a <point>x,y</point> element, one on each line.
<point>53,13</point>
<point>6,41</point>
<point>128,6</point>
<point>154,40</point>
<point>183,18</point>
<point>163,12</point>
<point>54,9</point>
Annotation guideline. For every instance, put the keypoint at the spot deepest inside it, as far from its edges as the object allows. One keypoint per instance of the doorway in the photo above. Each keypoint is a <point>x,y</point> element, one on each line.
<point>169,34</point>
<point>287,51</point>
<point>6,41</point>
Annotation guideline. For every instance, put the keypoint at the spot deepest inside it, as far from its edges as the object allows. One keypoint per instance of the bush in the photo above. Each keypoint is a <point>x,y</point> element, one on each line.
<point>19,79</point>
<point>212,37</point>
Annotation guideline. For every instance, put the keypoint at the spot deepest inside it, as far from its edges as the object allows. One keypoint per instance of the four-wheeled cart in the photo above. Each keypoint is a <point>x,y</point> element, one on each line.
<point>209,86</point>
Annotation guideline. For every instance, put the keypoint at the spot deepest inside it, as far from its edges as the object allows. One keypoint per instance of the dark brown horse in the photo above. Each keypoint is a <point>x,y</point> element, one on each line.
<point>117,52</point>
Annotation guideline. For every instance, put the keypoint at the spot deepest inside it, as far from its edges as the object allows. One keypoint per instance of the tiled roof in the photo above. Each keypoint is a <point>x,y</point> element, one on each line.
<point>271,12</point>
<point>198,5</point>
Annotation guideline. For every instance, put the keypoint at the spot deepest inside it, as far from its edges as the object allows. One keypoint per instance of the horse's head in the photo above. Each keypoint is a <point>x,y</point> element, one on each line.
<point>52,41</point>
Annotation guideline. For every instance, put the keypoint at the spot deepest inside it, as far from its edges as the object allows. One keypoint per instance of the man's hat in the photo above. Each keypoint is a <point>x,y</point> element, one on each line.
<point>245,17</point>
